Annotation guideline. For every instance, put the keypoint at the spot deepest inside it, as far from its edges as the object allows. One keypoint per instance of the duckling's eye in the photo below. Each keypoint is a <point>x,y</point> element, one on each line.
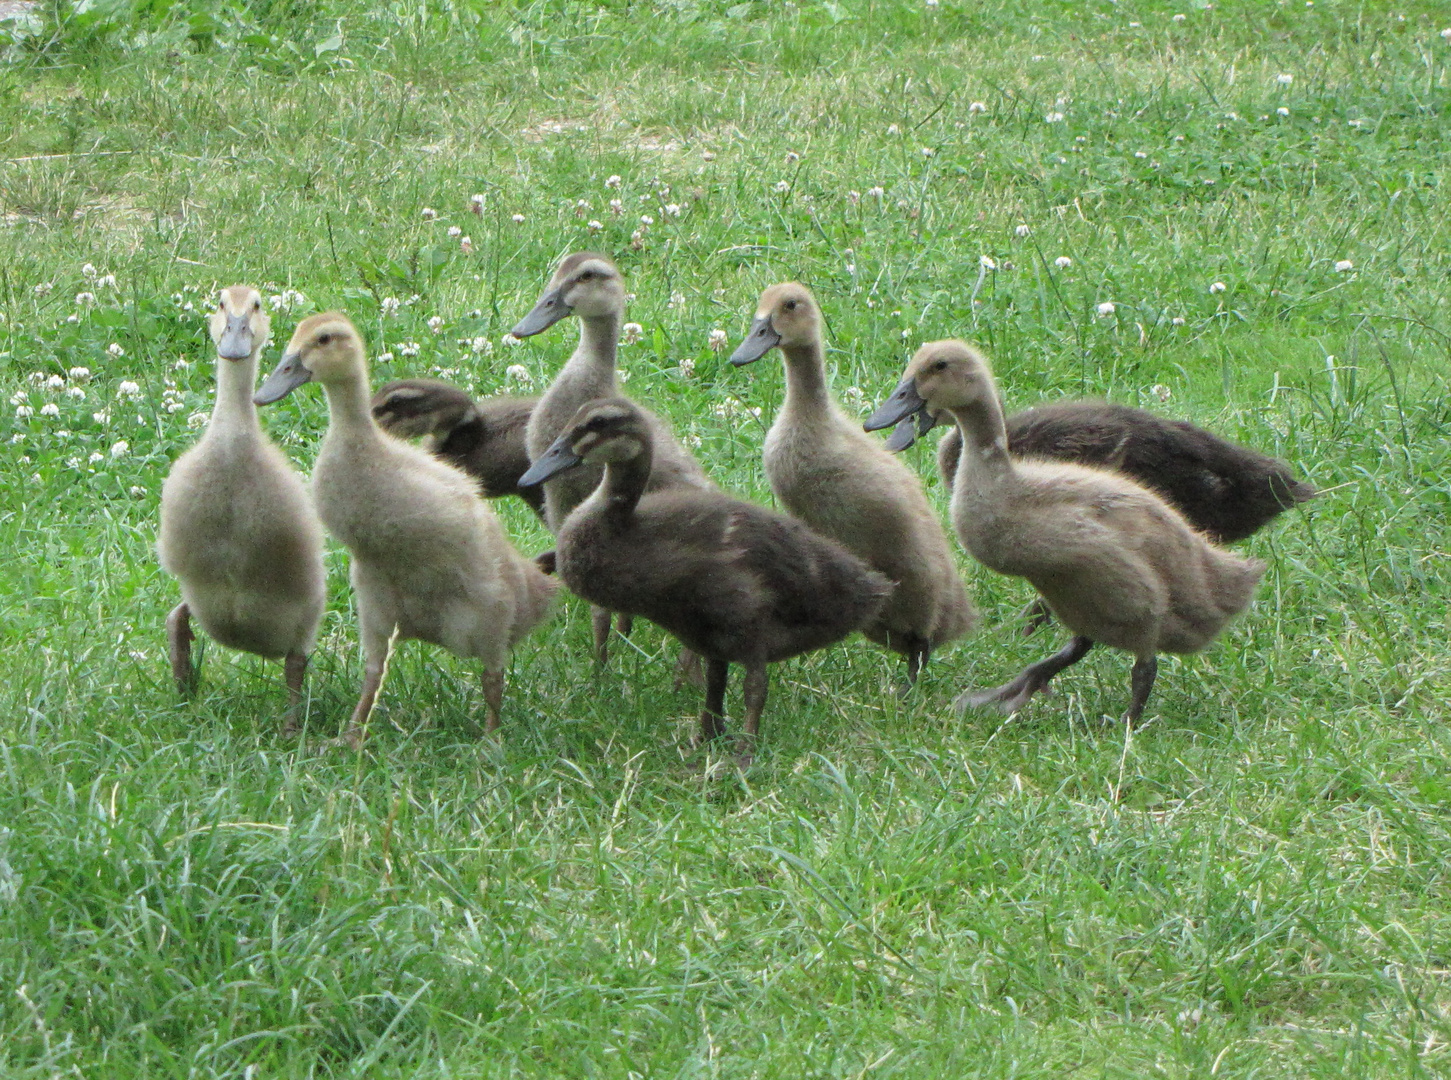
<point>587,275</point>
<point>941,365</point>
<point>790,305</point>
<point>256,305</point>
<point>323,339</point>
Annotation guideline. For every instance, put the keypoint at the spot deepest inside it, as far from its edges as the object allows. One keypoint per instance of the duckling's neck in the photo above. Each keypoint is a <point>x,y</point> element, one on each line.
<point>625,482</point>
<point>235,384</point>
<point>599,339</point>
<point>348,404</point>
<point>806,388</point>
<point>984,438</point>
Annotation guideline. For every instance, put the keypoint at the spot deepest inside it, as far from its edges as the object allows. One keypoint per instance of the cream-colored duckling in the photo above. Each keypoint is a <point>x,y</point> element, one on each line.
<point>847,486</point>
<point>238,530</point>
<point>430,559</point>
<point>1117,564</point>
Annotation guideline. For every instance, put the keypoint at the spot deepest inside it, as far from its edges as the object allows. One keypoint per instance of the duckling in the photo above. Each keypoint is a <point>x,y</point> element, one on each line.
<point>483,438</point>
<point>1228,492</point>
<point>430,559</point>
<point>843,484</point>
<point>1116,563</point>
<point>590,286</point>
<point>238,530</point>
<point>735,582</point>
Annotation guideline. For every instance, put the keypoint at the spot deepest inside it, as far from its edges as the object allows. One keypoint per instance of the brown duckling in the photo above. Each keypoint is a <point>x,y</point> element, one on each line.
<point>841,482</point>
<point>483,438</point>
<point>735,582</point>
<point>1116,563</point>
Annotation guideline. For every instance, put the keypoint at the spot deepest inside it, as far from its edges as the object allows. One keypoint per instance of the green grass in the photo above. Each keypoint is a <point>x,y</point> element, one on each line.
<point>1253,885</point>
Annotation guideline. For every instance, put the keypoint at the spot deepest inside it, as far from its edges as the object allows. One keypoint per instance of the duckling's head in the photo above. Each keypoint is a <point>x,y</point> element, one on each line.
<point>786,315</point>
<point>325,348</point>
<point>942,376</point>
<point>239,325</point>
<point>586,284</point>
<point>604,430</point>
<point>408,408</point>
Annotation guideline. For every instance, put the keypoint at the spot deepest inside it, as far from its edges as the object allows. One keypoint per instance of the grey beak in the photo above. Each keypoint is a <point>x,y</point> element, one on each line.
<point>236,340</point>
<point>556,459</point>
<point>904,403</point>
<point>760,340</point>
<point>910,430</point>
<point>286,377</point>
<point>550,309</point>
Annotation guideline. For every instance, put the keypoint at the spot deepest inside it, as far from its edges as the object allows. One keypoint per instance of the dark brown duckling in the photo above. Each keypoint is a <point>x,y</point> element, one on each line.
<point>483,438</point>
<point>1226,491</point>
<point>735,582</point>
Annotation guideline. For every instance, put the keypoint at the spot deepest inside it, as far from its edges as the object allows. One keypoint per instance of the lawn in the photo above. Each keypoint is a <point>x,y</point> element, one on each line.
<point>1253,883</point>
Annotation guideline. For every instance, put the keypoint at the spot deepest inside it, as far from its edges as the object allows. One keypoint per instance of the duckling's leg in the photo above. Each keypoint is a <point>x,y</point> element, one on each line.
<point>294,670</point>
<point>1146,668</point>
<point>712,716</point>
<point>758,682</point>
<point>687,670</point>
<point>919,651</point>
<point>1010,697</point>
<point>600,623</point>
<point>493,682</point>
<point>179,637</point>
<point>624,624</point>
<point>1037,615</point>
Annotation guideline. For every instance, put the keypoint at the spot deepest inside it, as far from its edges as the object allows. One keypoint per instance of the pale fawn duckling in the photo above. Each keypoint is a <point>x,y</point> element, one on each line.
<point>845,485</point>
<point>1116,564</point>
<point>430,560</point>
<point>238,530</point>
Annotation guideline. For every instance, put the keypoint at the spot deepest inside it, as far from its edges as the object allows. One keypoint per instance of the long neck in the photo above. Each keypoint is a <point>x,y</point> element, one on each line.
<point>599,339</point>
<point>806,376</point>
<point>625,482</point>
<point>984,438</point>
<point>348,404</point>
<point>235,383</point>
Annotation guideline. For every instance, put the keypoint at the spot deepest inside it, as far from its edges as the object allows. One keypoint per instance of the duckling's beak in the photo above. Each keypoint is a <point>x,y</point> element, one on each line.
<point>910,430</point>
<point>286,377</point>
<point>550,309</point>
<point>556,459</point>
<point>760,340</point>
<point>904,403</point>
<point>236,340</point>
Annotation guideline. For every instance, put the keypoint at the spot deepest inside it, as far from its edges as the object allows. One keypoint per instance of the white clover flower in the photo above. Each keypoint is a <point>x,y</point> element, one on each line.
<point>1178,18</point>
<point>595,226</point>
<point>1063,262</point>
<point>1217,287</point>
<point>672,209</point>
<point>23,412</point>
<point>1022,230</point>
<point>977,107</point>
<point>717,341</point>
<point>520,374</point>
<point>482,345</point>
<point>612,181</point>
<point>928,151</point>
<point>107,282</point>
<point>20,397</point>
<point>136,491</point>
<point>907,333</point>
<point>509,341</point>
<point>893,129</point>
<point>409,348</point>
<point>181,365</point>
<point>987,262</point>
<point>126,390</point>
<point>1053,118</point>
<point>1344,266</point>
<point>120,448</point>
<point>436,323</point>
<point>454,230</point>
<point>198,420</point>
<point>632,332</point>
<point>174,406</point>
<point>1160,391</point>
<point>476,202</point>
<point>43,288</point>
<point>55,382</point>
<point>1177,320</point>
<point>389,305</point>
<point>623,375</point>
<point>1446,34</point>
<point>37,377</point>
<point>677,299</point>
<point>88,270</point>
<point>85,299</point>
<point>428,213</point>
<point>76,393</point>
<point>792,157</point>
<point>518,219</point>
<point>1284,78</point>
<point>1106,308</point>
<point>384,358</point>
<point>876,192</point>
<point>932,3</point>
<point>19,437</point>
<point>1282,111</point>
<point>854,197</point>
<point>95,459</point>
<point>102,417</point>
<point>617,206</point>
<point>637,239</point>
<point>782,187</point>
<point>646,220</point>
<point>115,350</point>
<point>466,245</point>
<point>1140,154</point>
<point>687,364</point>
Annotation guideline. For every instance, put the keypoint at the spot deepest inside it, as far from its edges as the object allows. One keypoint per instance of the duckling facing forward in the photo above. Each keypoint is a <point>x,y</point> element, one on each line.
<point>1116,564</point>
<point>238,531</point>
<point>483,438</point>
<point>430,559</point>
<point>735,582</point>
<point>590,286</point>
<point>1228,492</point>
<point>843,484</point>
